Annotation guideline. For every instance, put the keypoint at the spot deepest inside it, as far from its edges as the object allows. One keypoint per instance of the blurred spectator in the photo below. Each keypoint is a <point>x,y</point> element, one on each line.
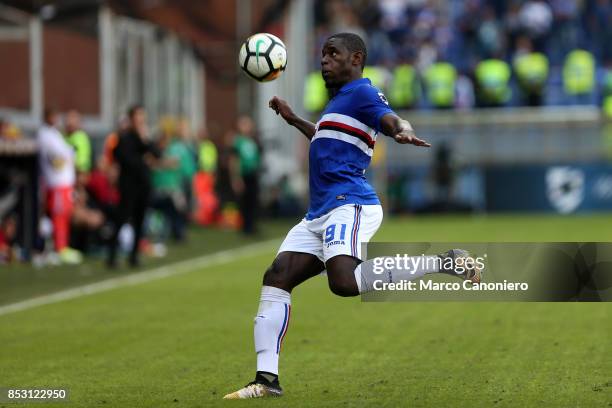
<point>464,92</point>
<point>56,161</point>
<point>8,131</point>
<point>102,188</point>
<point>230,216</point>
<point>512,22</point>
<point>579,76</point>
<point>187,159</point>
<point>535,36</point>
<point>393,13</point>
<point>134,154</point>
<point>379,76</point>
<point>427,55</point>
<point>79,140</point>
<point>283,199</point>
<point>244,172</point>
<point>565,32</point>
<point>531,71</point>
<point>111,142</point>
<point>9,200</point>
<point>207,153</point>
<point>440,80</point>
<point>206,201</point>
<point>536,20</point>
<point>468,25</point>
<point>493,82</point>
<point>598,24</point>
<point>490,35</point>
<point>168,192</point>
<point>607,89</point>
<point>87,220</point>
<point>8,234</point>
<point>315,92</point>
<point>404,91</point>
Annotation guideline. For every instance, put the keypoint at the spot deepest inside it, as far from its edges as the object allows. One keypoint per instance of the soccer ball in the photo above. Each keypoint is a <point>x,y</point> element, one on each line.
<point>263,57</point>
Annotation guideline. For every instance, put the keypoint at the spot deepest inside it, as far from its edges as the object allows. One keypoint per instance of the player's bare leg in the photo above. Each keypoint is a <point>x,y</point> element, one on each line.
<point>288,270</point>
<point>340,275</point>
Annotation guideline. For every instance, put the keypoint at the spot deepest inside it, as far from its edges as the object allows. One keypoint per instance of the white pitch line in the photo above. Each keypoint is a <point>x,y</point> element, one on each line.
<point>161,272</point>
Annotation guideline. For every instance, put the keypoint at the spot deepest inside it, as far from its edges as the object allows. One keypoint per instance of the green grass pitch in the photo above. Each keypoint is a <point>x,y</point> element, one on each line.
<point>186,340</point>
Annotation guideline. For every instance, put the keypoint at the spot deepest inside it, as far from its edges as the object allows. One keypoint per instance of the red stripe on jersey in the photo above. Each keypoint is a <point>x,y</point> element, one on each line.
<point>348,129</point>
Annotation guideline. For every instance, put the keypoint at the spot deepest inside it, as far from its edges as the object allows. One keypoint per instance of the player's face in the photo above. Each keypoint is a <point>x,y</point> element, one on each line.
<point>73,121</point>
<point>52,119</point>
<point>139,119</point>
<point>336,65</point>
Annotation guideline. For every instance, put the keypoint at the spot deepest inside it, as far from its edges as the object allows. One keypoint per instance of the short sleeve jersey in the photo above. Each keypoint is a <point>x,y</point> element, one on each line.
<point>342,147</point>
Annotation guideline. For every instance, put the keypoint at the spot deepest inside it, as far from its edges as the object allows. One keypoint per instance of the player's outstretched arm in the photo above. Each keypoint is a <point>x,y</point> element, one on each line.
<point>400,130</point>
<point>281,107</point>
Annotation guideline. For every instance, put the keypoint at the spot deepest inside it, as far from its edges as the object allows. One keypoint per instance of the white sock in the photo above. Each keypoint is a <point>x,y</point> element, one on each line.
<point>390,269</point>
<point>271,325</point>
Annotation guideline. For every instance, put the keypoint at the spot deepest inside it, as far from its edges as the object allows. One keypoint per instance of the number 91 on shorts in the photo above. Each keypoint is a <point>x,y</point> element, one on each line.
<point>342,231</point>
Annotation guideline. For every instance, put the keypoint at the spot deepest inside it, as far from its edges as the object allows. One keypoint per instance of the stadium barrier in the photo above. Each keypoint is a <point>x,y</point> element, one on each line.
<point>521,159</point>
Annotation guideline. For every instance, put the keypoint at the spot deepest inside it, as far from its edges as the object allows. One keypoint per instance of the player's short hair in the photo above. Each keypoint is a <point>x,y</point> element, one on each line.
<point>353,43</point>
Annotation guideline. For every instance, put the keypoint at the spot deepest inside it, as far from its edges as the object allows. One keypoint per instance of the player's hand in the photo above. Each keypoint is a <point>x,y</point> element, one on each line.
<point>149,160</point>
<point>281,107</point>
<point>408,137</point>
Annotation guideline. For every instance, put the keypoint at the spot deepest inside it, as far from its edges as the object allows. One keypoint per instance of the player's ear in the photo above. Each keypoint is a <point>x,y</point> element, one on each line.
<point>357,58</point>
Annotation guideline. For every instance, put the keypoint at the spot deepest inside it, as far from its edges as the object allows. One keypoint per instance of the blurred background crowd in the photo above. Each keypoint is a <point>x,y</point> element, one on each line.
<point>456,53</point>
<point>132,194</point>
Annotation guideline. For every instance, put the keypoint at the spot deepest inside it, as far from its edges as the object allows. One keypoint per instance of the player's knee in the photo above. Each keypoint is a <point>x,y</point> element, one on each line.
<point>276,275</point>
<point>341,277</point>
<point>343,287</point>
<point>342,282</point>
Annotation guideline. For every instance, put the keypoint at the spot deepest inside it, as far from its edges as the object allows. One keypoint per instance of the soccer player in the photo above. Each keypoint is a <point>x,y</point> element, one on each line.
<point>56,163</point>
<point>344,210</point>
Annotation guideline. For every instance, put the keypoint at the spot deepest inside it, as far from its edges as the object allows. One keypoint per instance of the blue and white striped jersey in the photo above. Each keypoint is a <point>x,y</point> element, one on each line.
<point>342,147</point>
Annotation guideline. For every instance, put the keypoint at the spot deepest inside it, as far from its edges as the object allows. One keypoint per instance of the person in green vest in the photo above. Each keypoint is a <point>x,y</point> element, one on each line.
<point>377,75</point>
<point>79,140</point>
<point>208,155</point>
<point>531,70</point>
<point>404,91</point>
<point>206,200</point>
<point>440,79</point>
<point>607,90</point>
<point>579,76</point>
<point>244,172</point>
<point>315,93</point>
<point>492,82</point>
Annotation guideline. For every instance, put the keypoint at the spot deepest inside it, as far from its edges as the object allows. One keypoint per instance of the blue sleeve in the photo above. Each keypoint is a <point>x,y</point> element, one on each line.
<point>371,106</point>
